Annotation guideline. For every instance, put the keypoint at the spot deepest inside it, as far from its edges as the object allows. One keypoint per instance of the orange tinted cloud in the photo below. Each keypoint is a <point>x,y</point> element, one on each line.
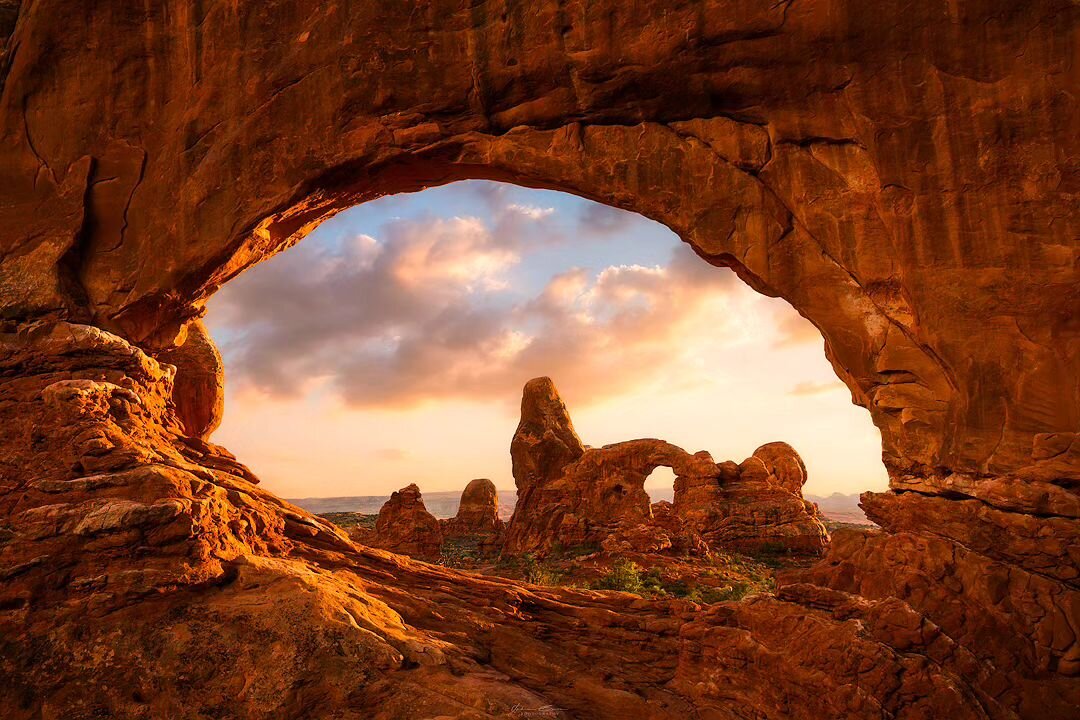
<point>424,313</point>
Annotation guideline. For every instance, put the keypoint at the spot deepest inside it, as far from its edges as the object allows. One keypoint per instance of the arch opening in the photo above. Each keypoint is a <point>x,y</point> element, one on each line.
<point>701,179</point>
<point>403,328</point>
<point>660,484</point>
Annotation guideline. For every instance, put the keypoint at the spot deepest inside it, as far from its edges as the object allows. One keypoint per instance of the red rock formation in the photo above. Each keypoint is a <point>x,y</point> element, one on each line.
<point>588,498</point>
<point>648,537</point>
<point>405,525</point>
<point>545,440</point>
<point>598,497</point>
<point>220,561</point>
<point>685,539</point>
<point>569,495</point>
<point>477,517</point>
<point>199,384</point>
<point>784,464</point>
<point>756,511</point>
<point>902,173</point>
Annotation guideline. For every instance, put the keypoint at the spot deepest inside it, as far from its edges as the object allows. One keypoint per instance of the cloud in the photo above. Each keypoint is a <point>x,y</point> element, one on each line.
<point>458,251</point>
<point>432,310</point>
<point>816,388</point>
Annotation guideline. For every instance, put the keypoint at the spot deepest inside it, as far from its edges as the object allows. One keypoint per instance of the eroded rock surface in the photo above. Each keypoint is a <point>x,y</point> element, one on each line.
<point>901,173</point>
<point>598,497</point>
<point>405,526</point>
<point>199,383</point>
<point>756,509</point>
<point>130,540</point>
<point>545,441</point>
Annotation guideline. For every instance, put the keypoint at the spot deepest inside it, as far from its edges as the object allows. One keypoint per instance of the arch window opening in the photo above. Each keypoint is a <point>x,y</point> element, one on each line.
<point>660,484</point>
<point>375,371</point>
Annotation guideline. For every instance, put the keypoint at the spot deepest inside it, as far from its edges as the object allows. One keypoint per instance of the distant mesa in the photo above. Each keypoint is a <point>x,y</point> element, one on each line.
<point>570,495</point>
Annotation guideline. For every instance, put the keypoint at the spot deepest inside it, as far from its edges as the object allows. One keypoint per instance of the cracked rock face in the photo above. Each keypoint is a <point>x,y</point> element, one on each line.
<point>784,464</point>
<point>901,173</point>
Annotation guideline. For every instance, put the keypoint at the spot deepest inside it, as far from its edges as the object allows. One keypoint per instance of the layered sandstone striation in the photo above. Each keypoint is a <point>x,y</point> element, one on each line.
<point>902,173</point>
<point>597,497</point>
<point>758,507</point>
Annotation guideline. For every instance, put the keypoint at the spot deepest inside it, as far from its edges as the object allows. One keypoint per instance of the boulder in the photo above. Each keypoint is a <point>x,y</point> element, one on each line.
<point>784,464</point>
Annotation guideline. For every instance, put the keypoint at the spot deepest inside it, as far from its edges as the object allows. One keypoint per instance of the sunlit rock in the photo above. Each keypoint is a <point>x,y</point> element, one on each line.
<point>599,496</point>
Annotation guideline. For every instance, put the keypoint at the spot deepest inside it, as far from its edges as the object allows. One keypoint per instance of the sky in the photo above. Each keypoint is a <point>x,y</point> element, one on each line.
<point>390,346</point>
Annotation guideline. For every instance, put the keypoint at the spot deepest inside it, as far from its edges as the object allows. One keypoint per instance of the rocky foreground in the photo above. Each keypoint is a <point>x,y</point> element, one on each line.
<point>147,575</point>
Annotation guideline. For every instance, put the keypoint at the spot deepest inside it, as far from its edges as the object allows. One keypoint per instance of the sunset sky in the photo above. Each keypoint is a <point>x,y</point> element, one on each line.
<point>391,345</point>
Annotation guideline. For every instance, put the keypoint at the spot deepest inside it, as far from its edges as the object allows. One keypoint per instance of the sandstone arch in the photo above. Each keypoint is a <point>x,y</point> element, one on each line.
<point>901,174</point>
<point>799,181</point>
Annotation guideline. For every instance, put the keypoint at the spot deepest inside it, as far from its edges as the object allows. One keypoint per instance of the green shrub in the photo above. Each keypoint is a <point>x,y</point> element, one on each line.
<point>736,591</point>
<point>459,553</point>
<point>348,520</point>
<point>626,576</point>
<point>538,573</point>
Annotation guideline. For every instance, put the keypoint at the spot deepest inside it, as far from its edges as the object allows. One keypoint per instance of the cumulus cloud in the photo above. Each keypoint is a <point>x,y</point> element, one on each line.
<point>432,309</point>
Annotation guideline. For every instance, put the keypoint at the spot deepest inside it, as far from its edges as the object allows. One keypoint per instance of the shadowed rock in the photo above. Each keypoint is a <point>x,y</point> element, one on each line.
<point>478,515</point>
<point>755,511</point>
<point>199,386</point>
<point>545,440</point>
